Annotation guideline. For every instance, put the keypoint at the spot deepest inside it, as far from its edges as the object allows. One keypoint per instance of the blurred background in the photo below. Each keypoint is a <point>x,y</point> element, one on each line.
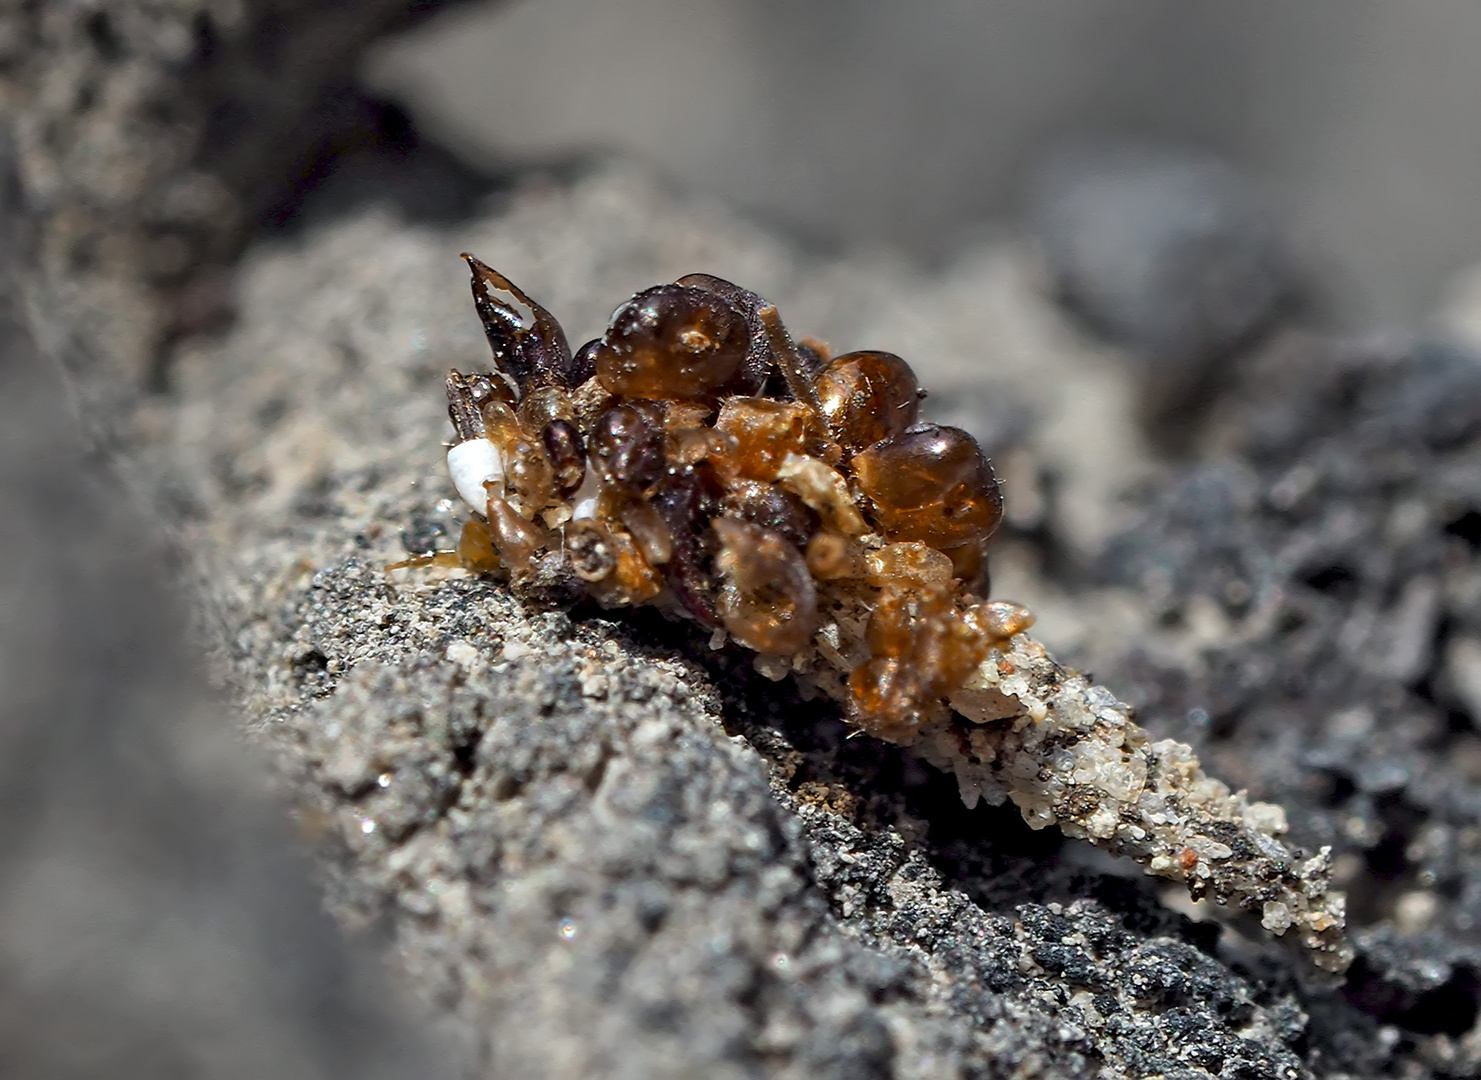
<point>1247,162</point>
<point>854,123</point>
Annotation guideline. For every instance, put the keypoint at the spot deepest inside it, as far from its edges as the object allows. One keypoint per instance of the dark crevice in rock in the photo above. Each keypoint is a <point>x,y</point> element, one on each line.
<point>355,149</point>
<point>1450,1008</point>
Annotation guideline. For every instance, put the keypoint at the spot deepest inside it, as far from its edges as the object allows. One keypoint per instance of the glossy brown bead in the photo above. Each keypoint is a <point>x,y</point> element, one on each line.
<point>923,650</point>
<point>567,453</point>
<point>584,362</point>
<point>671,341</point>
<point>627,446</point>
<point>765,433</point>
<point>515,539</point>
<point>969,566</point>
<point>867,396</point>
<point>769,602</point>
<point>932,484</point>
<point>775,508</point>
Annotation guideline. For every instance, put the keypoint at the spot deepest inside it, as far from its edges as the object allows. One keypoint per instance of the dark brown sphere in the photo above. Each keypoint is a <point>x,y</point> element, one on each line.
<point>567,452</point>
<point>627,446</point>
<point>867,396</point>
<point>931,484</point>
<point>774,507</point>
<point>583,363</point>
<point>672,341</point>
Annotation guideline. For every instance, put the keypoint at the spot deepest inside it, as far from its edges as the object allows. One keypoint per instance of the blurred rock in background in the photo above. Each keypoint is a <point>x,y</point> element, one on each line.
<point>152,142</point>
<point>1173,255</point>
<point>858,122</point>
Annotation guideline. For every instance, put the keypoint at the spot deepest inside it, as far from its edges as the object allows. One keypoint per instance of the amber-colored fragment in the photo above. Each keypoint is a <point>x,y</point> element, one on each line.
<point>867,396</point>
<point>906,565</point>
<point>831,556</point>
<point>823,489</point>
<point>765,432</point>
<point>931,484</point>
<point>432,558</point>
<point>888,632</point>
<point>515,539</point>
<point>590,400</point>
<point>544,404</point>
<point>529,479</point>
<point>671,341</point>
<point>923,651</point>
<point>686,415</point>
<point>649,530</point>
<point>885,699</point>
<point>632,580</point>
<point>476,547</point>
<point>693,445</point>
<point>769,602</point>
<point>500,423</point>
<point>1000,620</point>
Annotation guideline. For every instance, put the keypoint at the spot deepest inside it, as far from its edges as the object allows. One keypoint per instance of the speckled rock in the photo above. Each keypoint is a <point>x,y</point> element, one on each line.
<point>156,916</point>
<point>1312,602</point>
<point>598,847</point>
<point>595,847</point>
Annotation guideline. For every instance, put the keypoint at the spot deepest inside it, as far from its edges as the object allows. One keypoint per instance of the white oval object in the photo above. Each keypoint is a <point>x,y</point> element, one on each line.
<point>584,499</point>
<point>471,464</point>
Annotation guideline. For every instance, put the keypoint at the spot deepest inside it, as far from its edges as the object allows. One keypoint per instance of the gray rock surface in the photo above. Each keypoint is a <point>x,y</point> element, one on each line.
<point>593,846</point>
<point>157,917</point>
<point>599,848</point>
<point>1330,564</point>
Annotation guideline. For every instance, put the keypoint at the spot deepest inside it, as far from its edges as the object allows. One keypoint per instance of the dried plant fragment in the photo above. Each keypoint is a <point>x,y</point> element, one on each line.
<point>696,458</point>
